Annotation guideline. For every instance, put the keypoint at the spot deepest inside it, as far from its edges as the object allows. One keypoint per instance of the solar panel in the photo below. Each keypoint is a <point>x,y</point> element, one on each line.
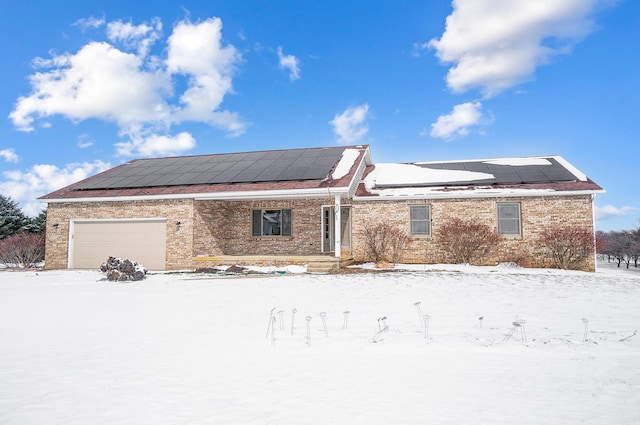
<point>242,167</point>
<point>551,172</point>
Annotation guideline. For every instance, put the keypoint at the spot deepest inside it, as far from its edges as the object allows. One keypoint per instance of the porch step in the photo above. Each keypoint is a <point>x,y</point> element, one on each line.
<point>323,267</point>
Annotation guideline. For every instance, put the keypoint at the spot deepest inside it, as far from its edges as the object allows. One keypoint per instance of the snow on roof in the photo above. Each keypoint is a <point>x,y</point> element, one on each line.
<point>518,162</point>
<point>409,174</point>
<point>349,157</point>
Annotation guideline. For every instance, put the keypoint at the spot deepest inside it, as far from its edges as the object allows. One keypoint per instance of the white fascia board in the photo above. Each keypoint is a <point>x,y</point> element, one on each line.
<point>243,195</point>
<point>471,195</point>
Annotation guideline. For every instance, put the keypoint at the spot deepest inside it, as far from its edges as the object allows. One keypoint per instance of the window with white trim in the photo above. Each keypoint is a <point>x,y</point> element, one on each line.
<point>420,220</point>
<point>509,219</point>
<point>271,222</point>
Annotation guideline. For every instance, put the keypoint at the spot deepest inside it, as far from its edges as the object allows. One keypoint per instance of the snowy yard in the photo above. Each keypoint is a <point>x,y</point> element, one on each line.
<point>191,349</point>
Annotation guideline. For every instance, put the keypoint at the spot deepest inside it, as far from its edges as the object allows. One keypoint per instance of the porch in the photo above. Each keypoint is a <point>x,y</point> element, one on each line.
<point>314,263</point>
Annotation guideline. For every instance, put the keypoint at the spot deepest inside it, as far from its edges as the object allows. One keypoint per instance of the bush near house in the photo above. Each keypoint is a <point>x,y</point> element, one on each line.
<point>467,242</point>
<point>567,247</point>
<point>23,250</point>
<point>384,242</point>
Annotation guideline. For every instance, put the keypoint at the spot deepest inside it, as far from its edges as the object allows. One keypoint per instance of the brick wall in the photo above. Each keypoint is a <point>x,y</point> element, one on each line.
<point>179,238</point>
<point>225,228</point>
<point>537,213</point>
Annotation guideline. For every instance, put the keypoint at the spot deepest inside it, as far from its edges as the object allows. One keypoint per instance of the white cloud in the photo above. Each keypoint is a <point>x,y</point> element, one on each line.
<point>497,44</point>
<point>137,92</point>
<point>350,126</point>
<point>90,22</point>
<point>156,145</point>
<point>458,122</point>
<point>138,37</point>
<point>290,63</point>
<point>25,187</point>
<point>608,211</point>
<point>85,141</point>
<point>9,155</point>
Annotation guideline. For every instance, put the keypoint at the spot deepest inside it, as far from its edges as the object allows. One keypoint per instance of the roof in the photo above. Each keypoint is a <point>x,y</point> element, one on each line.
<point>547,175</point>
<point>315,172</point>
<point>301,171</point>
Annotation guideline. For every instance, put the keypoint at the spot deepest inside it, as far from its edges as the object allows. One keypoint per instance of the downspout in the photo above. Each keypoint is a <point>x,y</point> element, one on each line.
<point>337,226</point>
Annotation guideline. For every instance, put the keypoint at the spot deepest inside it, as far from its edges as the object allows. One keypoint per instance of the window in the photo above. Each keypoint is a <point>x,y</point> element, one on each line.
<point>420,218</point>
<point>509,219</point>
<point>272,222</point>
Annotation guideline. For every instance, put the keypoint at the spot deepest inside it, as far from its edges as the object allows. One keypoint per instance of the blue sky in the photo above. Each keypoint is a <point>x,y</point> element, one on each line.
<point>89,85</point>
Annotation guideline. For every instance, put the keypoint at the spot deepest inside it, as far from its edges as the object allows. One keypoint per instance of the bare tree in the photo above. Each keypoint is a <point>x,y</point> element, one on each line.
<point>568,247</point>
<point>466,241</point>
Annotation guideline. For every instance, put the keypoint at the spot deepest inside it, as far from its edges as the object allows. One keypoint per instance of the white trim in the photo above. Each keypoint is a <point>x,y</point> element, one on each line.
<point>573,170</point>
<point>209,196</point>
<point>337,226</point>
<point>473,194</point>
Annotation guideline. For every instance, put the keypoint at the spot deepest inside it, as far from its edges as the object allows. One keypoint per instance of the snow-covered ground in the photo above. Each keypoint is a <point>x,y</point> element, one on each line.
<point>193,349</point>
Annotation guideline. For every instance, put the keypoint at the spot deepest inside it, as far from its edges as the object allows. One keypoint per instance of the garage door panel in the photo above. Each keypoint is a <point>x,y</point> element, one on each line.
<point>139,240</point>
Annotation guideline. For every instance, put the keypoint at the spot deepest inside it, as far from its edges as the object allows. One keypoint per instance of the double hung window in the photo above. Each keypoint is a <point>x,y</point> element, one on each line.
<point>420,219</point>
<point>509,219</point>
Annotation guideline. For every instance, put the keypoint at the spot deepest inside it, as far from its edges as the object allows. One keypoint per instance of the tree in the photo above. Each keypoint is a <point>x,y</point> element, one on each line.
<point>466,241</point>
<point>12,219</point>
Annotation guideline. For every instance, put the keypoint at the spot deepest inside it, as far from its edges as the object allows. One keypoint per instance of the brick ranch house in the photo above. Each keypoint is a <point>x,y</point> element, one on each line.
<point>306,206</point>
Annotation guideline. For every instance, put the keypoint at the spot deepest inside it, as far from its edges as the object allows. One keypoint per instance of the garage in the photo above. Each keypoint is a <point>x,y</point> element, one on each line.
<point>93,241</point>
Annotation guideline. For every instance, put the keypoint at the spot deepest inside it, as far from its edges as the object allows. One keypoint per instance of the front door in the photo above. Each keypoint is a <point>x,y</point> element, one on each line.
<point>328,229</point>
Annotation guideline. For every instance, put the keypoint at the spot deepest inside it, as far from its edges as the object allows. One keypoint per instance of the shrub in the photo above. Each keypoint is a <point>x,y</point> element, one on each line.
<point>568,247</point>
<point>466,241</point>
<point>22,250</point>
<point>384,241</point>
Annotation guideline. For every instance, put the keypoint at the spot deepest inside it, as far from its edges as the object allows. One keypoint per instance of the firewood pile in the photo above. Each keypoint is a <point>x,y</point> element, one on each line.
<point>122,270</point>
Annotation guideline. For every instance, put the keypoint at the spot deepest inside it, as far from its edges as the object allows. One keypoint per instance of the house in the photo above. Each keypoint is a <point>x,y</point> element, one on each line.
<point>303,205</point>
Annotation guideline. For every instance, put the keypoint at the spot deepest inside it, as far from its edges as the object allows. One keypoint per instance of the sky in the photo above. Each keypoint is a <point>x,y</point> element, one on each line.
<point>90,85</point>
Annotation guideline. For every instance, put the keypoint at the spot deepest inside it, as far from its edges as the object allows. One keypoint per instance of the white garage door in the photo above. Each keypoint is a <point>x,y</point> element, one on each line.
<point>144,241</point>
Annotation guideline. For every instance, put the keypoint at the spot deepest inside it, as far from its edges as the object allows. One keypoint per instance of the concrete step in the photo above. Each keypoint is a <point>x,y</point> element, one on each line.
<point>323,267</point>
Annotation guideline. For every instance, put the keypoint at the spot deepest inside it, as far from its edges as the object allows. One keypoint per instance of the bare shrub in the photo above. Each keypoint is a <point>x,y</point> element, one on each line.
<point>384,241</point>
<point>568,247</point>
<point>23,250</point>
<point>466,241</point>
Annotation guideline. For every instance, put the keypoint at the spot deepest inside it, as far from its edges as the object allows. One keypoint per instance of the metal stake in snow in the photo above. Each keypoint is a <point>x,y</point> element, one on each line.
<point>585,336</point>
<point>382,328</point>
<point>420,315</point>
<point>281,318</point>
<point>293,316</point>
<point>517,324</point>
<point>270,325</point>
<point>345,319</point>
<point>308,319</point>
<point>426,326</point>
<point>323,316</point>
<point>480,320</point>
<point>273,332</point>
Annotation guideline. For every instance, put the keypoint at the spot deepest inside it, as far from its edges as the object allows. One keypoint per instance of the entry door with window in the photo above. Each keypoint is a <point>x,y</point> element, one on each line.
<point>328,226</point>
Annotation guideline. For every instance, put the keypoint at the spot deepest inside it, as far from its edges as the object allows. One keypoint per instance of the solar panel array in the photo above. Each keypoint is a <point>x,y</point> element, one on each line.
<point>246,167</point>
<point>554,172</point>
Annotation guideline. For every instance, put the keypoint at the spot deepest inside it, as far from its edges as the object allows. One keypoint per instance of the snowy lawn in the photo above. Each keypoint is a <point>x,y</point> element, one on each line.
<point>191,349</point>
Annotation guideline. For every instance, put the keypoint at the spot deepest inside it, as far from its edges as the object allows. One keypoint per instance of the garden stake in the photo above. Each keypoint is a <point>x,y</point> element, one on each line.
<point>480,319</point>
<point>381,329</point>
<point>585,336</point>
<point>293,316</point>
<point>426,326</point>
<point>281,318</point>
<point>308,319</point>
<point>344,321</point>
<point>420,315</point>
<point>323,315</point>
<point>517,324</point>
<point>270,325</point>
<point>273,332</point>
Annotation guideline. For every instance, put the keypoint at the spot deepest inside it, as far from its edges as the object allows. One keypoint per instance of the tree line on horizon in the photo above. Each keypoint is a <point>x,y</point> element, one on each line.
<point>621,246</point>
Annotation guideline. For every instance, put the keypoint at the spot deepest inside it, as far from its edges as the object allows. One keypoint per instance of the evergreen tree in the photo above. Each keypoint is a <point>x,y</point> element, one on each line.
<point>12,219</point>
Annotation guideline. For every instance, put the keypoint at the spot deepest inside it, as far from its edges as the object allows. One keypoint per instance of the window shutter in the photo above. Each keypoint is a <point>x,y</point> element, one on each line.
<point>257,223</point>
<point>286,222</point>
